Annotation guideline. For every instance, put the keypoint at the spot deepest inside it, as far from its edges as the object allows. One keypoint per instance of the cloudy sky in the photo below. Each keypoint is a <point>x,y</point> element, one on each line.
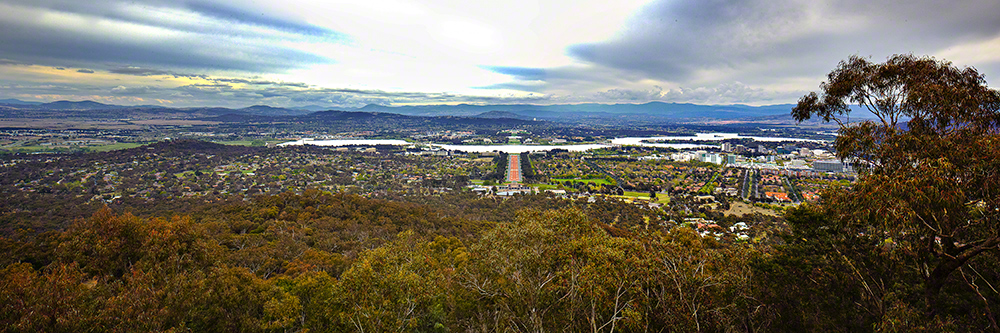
<point>334,53</point>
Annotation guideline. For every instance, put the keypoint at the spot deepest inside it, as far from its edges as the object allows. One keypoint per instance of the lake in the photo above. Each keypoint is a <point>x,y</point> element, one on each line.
<point>517,149</point>
<point>637,141</point>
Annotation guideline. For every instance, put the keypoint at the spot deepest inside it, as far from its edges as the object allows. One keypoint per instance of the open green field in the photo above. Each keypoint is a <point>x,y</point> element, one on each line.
<point>117,146</point>
<point>28,149</point>
<point>630,198</point>
<point>660,198</point>
<point>598,181</point>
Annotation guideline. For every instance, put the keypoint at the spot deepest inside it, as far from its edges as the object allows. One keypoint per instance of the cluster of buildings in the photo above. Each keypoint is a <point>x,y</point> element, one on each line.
<point>798,159</point>
<point>508,189</point>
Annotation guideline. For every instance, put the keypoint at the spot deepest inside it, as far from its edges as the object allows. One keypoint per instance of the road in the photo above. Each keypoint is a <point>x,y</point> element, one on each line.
<point>514,168</point>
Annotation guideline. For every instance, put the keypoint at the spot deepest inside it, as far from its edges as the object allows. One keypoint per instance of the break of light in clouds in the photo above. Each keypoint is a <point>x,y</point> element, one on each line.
<point>351,53</point>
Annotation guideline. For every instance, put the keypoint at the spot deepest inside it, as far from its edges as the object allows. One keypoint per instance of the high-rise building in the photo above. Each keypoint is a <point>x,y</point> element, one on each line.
<point>710,158</point>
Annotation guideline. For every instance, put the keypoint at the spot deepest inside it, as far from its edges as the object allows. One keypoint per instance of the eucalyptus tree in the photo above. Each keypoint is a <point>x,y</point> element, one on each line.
<point>928,160</point>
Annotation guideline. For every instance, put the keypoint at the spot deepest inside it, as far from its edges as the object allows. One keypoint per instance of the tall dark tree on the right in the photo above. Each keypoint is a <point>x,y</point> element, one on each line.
<point>929,169</point>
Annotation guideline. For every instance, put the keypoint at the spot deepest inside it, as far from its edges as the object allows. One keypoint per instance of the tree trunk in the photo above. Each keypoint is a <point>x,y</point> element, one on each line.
<point>949,263</point>
<point>931,291</point>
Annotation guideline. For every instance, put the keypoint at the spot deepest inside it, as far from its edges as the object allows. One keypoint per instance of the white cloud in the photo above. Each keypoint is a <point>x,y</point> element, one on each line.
<point>701,51</point>
<point>975,52</point>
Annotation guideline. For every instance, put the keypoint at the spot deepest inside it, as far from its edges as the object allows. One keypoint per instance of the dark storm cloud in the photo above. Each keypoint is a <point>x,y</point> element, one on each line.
<point>223,41</point>
<point>85,71</point>
<point>674,40</point>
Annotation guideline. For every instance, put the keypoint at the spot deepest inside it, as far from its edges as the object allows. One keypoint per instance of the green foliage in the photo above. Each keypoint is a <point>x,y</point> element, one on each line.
<point>545,269</point>
<point>597,180</point>
<point>925,202</point>
<point>55,299</point>
<point>402,286</point>
<point>698,284</point>
<point>709,187</point>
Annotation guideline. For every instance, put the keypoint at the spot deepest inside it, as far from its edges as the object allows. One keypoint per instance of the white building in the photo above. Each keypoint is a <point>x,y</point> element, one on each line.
<point>834,166</point>
<point>711,158</point>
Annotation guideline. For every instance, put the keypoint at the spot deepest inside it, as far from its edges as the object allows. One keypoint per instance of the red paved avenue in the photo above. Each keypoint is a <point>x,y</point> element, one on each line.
<point>514,168</point>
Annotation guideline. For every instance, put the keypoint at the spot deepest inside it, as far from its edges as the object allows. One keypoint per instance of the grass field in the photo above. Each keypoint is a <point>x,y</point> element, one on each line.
<point>738,208</point>
<point>629,198</point>
<point>117,146</point>
<point>660,198</point>
<point>598,181</point>
<point>28,149</point>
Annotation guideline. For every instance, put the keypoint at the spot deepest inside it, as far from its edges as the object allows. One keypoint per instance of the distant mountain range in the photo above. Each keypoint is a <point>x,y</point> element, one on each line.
<point>311,108</point>
<point>260,110</point>
<point>500,115</point>
<point>653,112</point>
<point>559,112</point>
<point>264,110</point>
<point>70,105</point>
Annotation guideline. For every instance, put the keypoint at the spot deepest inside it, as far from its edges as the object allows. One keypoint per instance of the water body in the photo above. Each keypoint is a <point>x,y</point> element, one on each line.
<point>518,149</point>
<point>637,141</point>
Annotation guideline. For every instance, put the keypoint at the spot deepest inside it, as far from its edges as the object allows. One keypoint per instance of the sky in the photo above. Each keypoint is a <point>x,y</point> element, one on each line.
<point>344,54</point>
